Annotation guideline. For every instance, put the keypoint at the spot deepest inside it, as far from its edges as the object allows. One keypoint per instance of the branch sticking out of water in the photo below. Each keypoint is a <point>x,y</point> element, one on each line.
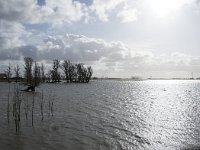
<point>41,105</point>
<point>51,103</point>
<point>33,106</point>
<point>28,100</point>
<point>8,105</point>
<point>17,108</point>
<point>26,106</point>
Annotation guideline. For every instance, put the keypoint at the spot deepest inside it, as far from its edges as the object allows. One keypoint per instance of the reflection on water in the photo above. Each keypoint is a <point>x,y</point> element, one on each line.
<point>111,115</point>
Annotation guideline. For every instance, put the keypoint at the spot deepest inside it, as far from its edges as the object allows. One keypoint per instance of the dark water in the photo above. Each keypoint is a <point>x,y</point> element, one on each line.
<point>108,115</point>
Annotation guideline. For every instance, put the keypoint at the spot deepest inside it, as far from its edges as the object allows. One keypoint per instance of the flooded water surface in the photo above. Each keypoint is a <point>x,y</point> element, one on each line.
<point>106,115</point>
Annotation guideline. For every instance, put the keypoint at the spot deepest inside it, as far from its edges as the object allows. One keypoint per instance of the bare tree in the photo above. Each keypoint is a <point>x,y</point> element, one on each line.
<point>89,73</point>
<point>28,69</point>
<point>17,73</point>
<point>81,73</point>
<point>55,75</point>
<point>48,76</point>
<point>42,73</point>
<point>8,72</point>
<point>36,75</point>
<point>72,73</point>
<point>66,68</point>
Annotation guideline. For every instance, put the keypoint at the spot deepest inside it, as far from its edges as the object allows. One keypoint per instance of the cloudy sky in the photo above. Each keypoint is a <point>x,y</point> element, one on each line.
<point>118,38</point>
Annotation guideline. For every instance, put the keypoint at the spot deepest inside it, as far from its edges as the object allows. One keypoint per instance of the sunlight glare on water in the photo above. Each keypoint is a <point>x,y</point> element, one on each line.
<point>163,114</point>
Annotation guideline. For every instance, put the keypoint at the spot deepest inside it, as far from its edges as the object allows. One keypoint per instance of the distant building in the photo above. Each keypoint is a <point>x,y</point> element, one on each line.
<point>3,76</point>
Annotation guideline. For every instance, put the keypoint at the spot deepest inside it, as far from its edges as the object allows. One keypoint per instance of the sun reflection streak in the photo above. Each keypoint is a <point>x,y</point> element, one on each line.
<point>169,112</point>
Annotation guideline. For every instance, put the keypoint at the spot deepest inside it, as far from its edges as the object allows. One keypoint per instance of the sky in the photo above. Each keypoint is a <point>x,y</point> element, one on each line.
<point>118,38</point>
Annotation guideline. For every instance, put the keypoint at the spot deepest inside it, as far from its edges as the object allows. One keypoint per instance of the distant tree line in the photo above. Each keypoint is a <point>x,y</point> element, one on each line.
<point>34,73</point>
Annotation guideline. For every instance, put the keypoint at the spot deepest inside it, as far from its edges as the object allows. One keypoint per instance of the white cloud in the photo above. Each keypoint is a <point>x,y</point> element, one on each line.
<point>59,11</point>
<point>81,48</point>
<point>10,33</point>
<point>64,11</point>
<point>102,8</point>
<point>107,58</point>
<point>54,11</point>
<point>115,57</point>
<point>128,15</point>
<point>16,14</point>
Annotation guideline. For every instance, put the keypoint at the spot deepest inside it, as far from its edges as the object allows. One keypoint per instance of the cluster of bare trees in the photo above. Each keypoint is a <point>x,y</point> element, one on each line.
<point>72,72</point>
<point>34,73</point>
<point>8,73</point>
